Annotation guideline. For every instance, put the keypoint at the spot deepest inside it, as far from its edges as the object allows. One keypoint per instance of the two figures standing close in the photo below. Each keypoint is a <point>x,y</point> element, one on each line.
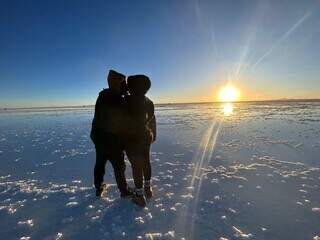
<point>124,122</point>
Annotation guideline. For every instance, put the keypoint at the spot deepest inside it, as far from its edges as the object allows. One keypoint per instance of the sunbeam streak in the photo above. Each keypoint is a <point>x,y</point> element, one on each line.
<point>241,66</point>
<point>205,163</point>
<point>201,155</point>
<point>202,159</point>
<point>281,39</point>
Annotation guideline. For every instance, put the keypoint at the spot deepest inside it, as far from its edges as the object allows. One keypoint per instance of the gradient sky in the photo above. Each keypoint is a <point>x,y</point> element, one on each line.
<point>58,52</point>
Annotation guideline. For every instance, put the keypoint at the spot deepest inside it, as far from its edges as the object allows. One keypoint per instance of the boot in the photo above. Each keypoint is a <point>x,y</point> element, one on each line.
<point>100,190</point>
<point>138,198</point>
<point>148,192</point>
<point>128,192</point>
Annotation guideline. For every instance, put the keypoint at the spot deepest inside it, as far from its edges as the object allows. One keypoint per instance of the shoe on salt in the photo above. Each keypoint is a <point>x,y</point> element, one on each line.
<point>148,192</point>
<point>127,193</point>
<point>101,189</point>
<point>138,198</point>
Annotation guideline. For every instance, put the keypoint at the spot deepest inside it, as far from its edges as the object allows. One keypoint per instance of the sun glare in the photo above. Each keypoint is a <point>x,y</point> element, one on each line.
<point>228,94</point>
<point>227,109</point>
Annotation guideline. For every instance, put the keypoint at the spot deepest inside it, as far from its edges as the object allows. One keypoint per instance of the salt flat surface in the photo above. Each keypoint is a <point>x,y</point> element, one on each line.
<point>247,171</point>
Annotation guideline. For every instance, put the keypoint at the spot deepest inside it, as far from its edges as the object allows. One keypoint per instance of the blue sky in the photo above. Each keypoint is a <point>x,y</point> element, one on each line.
<point>58,52</point>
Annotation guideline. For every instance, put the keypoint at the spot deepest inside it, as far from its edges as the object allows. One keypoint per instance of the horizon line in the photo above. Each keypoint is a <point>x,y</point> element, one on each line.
<point>171,103</point>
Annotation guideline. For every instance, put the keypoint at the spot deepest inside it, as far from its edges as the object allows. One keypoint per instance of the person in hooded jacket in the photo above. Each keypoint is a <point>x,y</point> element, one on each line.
<point>105,125</point>
<point>141,134</point>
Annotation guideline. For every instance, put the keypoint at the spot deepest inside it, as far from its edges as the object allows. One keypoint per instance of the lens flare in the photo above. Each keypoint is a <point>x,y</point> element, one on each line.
<point>229,94</point>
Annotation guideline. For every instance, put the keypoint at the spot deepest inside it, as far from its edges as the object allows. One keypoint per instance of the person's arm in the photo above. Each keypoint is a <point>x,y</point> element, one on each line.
<point>95,120</point>
<point>96,108</point>
<point>152,123</point>
<point>153,126</point>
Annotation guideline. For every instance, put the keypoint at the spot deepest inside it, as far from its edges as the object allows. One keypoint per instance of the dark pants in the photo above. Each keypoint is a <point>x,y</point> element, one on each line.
<point>138,153</point>
<point>108,147</point>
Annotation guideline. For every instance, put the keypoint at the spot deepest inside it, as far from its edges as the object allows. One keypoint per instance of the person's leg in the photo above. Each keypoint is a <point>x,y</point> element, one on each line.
<point>137,170</point>
<point>145,149</point>
<point>147,175</point>
<point>135,158</point>
<point>147,166</point>
<point>119,168</point>
<point>99,168</point>
<point>146,162</point>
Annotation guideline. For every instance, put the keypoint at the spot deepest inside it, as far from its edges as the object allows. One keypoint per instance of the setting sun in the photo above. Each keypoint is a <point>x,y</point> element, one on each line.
<point>228,94</point>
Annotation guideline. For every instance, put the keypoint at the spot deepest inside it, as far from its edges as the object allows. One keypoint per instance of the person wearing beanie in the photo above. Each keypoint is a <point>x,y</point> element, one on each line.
<point>141,134</point>
<point>107,143</point>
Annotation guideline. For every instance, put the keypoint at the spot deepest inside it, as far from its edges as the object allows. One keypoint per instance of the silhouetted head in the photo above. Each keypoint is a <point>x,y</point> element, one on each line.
<point>138,84</point>
<point>116,81</point>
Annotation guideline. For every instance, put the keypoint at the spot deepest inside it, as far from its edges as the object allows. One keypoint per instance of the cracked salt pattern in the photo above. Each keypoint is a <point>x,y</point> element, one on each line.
<point>252,175</point>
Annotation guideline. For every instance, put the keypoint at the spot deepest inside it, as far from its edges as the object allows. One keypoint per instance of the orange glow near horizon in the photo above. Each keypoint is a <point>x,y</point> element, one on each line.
<point>229,94</point>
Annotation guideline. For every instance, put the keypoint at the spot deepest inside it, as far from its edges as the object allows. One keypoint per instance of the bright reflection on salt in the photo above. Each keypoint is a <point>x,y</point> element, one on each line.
<point>227,109</point>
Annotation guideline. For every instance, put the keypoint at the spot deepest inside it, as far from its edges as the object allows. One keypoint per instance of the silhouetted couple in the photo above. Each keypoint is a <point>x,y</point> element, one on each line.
<point>124,121</point>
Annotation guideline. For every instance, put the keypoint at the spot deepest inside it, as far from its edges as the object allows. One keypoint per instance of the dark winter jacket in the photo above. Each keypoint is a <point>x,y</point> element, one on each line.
<point>141,116</point>
<point>108,115</point>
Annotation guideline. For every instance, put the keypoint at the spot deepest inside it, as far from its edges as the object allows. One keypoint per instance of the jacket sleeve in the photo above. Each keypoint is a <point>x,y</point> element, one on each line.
<point>152,123</point>
<point>96,108</point>
<point>94,121</point>
<point>153,126</point>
